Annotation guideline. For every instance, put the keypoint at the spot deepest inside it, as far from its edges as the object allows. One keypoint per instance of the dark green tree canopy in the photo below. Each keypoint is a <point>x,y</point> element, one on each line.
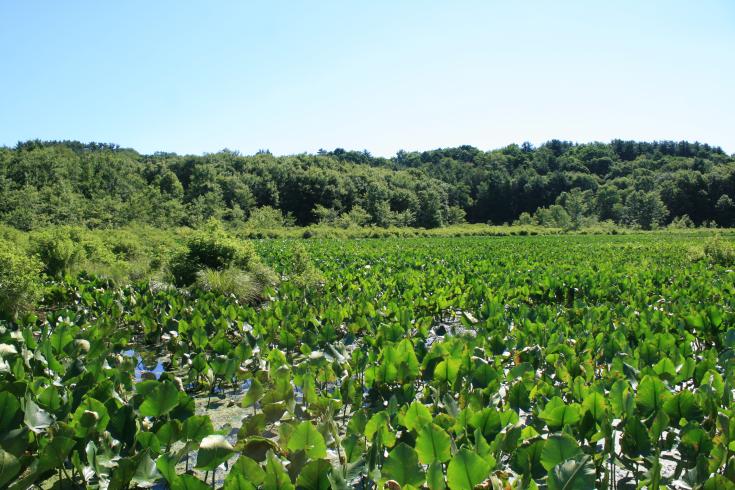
<point>103,185</point>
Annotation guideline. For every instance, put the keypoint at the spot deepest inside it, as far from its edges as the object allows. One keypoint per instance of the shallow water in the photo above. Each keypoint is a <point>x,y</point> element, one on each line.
<point>141,367</point>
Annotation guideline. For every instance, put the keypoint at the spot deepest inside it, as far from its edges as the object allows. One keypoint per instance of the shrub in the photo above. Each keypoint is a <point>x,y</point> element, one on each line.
<point>719,252</point>
<point>681,222</point>
<point>303,272</point>
<point>57,251</point>
<point>20,281</point>
<point>211,248</point>
<point>267,217</point>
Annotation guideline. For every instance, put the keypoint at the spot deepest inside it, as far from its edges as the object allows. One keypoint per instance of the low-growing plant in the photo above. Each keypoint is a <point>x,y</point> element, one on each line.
<point>241,285</point>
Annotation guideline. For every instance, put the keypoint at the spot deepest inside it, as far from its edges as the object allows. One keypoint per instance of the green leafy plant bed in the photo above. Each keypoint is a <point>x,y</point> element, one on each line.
<point>552,362</point>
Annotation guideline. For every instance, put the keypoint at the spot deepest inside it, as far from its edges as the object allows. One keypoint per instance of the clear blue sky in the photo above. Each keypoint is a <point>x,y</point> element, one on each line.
<point>200,76</point>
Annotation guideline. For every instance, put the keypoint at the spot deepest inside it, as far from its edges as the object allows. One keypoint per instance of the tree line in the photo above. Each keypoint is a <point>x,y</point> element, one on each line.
<point>559,183</point>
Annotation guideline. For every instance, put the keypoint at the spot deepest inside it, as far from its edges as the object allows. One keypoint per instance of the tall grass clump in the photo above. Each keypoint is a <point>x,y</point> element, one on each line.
<point>236,283</point>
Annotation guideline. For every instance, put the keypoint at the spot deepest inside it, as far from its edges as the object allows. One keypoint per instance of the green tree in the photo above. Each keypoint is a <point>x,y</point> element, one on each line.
<point>725,209</point>
<point>645,209</point>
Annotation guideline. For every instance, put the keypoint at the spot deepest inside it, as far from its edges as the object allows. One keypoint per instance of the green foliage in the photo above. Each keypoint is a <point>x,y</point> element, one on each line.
<point>20,281</point>
<point>241,285</point>
<point>306,438</point>
<point>102,186</point>
<point>59,250</point>
<point>718,251</point>
<point>268,218</point>
<point>211,248</point>
<point>645,210</point>
<point>402,466</point>
<point>577,473</point>
<point>466,469</point>
<point>511,362</point>
<point>302,271</point>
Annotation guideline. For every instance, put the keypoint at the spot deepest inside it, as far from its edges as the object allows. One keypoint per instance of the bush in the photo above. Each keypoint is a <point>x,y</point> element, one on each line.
<point>681,222</point>
<point>267,217</point>
<point>56,249</point>
<point>20,281</point>
<point>303,272</point>
<point>211,248</point>
<point>719,252</point>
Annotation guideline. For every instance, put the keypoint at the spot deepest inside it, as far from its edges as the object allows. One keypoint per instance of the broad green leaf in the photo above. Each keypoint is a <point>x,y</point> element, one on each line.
<point>651,394</point>
<point>36,418</point>
<point>213,451</point>
<point>249,468</point>
<point>683,405</point>
<point>308,439</point>
<point>90,415</point>
<point>147,473</point>
<point>596,405</point>
<point>9,409</point>
<point>276,477</point>
<point>561,416</point>
<point>55,453</point>
<point>433,444</point>
<point>255,393</point>
<point>197,428</point>
<point>466,469</point>
<point>488,421</point>
<point>416,416</point>
<point>402,466</point>
<point>160,400</point>
<point>718,482</point>
<point>166,465</point>
<point>9,467</point>
<point>237,481</point>
<point>447,370</point>
<point>380,423</point>
<point>189,482</point>
<point>314,476</point>
<point>558,448</point>
<point>518,397</point>
<point>635,441</point>
<point>577,473</point>
<point>435,477</point>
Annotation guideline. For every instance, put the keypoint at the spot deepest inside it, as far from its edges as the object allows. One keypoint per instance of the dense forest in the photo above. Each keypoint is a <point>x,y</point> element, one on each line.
<point>559,184</point>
